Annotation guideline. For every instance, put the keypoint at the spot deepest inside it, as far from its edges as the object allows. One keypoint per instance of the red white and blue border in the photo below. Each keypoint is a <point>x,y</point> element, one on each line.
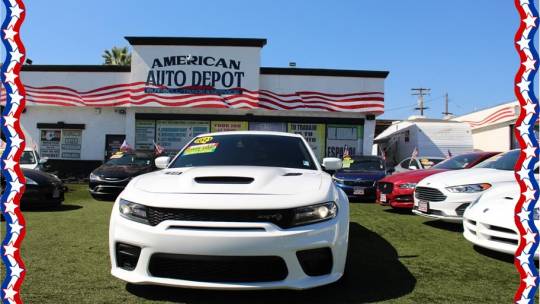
<point>524,211</point>
<point>11,172</point>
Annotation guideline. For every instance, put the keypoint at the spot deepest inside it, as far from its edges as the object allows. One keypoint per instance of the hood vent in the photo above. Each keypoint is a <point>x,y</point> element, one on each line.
<point>292,174</point>
<point>224,180</point>
<point>173,172</point>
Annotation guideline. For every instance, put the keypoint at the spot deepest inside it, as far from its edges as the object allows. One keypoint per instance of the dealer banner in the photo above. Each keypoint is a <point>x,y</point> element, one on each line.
<point>224,126</point>
<point>314,134</point>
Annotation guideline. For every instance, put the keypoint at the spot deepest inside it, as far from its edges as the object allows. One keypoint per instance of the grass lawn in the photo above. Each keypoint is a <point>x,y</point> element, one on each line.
<point>395,258</point>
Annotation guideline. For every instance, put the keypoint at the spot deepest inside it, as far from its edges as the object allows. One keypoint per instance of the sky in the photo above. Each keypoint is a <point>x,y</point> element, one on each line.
<point>461,47</point>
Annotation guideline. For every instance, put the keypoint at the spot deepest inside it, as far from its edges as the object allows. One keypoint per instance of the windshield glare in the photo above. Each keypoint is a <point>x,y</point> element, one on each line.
<point>457,162</point>
<point>128,160</point>
<point>246,150</point>
<point>365,165</point>
<point>505,161</point>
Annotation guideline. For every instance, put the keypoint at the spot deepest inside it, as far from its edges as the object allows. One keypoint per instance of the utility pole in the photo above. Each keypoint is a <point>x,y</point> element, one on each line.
<point>421,92</point>
<point>446,113</point>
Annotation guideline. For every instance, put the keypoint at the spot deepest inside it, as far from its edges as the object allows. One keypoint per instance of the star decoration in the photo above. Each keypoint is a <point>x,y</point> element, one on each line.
<point>523,215</point>
<point>523,85</point>
<point>529,64</point>
<point>16,186</point>
<point>529,237</point>
<point>529,151</point>
<point>9,293</point>
<point>523,300</point>
<point>16,56</point>
<point>10,34</point>
<point>9,120</point>
<point>523,43</point>
<point>16,227</point>
<point>523,129</point>
<point>530,21</point>
<point>16,11</point>
<point>10,249</point>
<point>529,194</point>
<point>523,257</point>
<point>16,271</point>
<point>9,163</point>
<point>16,141</point>
<point>10,77</point>
<point>10,207</point>
<point>529,107</point>
<point>16,98</point>
<point>523,173</point>
<point>530,280</point>
<point>522,2</point>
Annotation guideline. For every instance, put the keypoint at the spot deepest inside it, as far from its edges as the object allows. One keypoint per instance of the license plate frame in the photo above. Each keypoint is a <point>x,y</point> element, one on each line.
<point>383,198</point>
<point>423,206</point>
<point>359,190</point>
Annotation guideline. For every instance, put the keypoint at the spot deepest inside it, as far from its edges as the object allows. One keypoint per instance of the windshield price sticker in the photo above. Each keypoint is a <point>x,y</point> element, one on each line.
<point>203,140</point>
<point>200,149</point>
<point>347,161</point>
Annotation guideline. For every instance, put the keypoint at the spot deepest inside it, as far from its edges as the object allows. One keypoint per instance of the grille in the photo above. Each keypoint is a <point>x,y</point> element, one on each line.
<point>385,188</point>
<point>226,269</point>
<point>359,183</point>
<point>503,240</point>
<point>282,218</point>
<point>502,229</point>
<point>429,194</point>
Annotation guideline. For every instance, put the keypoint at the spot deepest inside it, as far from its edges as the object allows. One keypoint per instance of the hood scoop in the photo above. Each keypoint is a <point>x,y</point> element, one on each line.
<point>223,180</point>
<point>173,172</point>
<point>292,174</point>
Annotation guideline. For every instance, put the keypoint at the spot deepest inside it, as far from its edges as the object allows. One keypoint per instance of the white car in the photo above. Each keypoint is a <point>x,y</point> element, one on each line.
<point>233,210</point>
<point>30,159</point>
<point>445,195</point>
<point>416,163</point>
<point>489,221</point>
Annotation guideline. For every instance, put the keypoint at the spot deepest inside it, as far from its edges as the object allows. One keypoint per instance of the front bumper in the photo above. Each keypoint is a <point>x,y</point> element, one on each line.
<point>398,198</point>
<point>369,192</point>
<point>226,239</point>
<point>451,209</point>
<point>35,196</point>
<point>104,188</point>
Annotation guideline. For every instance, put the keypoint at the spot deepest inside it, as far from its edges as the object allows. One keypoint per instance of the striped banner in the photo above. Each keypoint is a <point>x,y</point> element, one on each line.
<point>524,170</point>
<point>502,114</point>
<point>134,94</point>
<point>11,172</point>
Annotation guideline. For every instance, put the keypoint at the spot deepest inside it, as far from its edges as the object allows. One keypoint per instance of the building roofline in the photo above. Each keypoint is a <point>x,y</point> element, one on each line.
<point>323,72</point>
<point>210,41</point>
<point>75,68</point>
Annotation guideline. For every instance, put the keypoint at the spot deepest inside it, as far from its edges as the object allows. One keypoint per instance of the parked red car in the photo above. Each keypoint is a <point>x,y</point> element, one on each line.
<point>397,190</point>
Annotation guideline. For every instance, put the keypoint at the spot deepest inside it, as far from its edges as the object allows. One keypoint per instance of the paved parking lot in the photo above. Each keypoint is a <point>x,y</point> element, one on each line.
<point>394,257</point>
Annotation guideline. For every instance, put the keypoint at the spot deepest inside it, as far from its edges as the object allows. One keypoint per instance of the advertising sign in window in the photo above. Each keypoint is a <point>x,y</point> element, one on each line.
<point>58,143</point>
<point>268,126</point>
<point>344,137</point>
<point>174,134</point>
<point>224,126</point>
<point>71,144</point>
<point>145,134</point>
<point>49,144</point>
<point>314,134</point>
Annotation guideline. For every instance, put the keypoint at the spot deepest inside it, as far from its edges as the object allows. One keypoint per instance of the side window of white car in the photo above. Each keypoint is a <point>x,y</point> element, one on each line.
<point>405,163</point>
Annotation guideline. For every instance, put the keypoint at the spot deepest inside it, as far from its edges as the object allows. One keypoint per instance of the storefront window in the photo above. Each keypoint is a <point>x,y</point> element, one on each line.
<point>61,143</point>
<point>344,138</point>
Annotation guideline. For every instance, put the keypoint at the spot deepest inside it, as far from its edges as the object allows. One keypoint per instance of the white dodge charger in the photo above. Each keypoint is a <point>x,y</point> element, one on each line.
<point>233,210</point>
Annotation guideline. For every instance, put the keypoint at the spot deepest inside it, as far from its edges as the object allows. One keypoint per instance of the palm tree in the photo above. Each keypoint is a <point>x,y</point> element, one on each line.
<point>117,56</point>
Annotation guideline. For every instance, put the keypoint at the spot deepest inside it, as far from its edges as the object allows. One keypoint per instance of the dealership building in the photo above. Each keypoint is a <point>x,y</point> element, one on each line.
<point>179,87</point>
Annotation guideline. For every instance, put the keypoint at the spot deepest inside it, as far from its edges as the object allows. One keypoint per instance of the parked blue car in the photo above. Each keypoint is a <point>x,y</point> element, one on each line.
<point>359,176</point>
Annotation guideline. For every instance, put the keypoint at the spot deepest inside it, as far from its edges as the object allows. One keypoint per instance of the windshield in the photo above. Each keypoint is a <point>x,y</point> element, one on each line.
<point>128,160</point>
<point>246,150</point>
<point>27,158</point>
<point>504,161</point>
<point>359,164</point>
<point>429,162</point>
<point>457,162</point>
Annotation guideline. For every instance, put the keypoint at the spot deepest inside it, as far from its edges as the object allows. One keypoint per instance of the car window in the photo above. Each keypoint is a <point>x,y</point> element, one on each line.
<point>504,161</point>
<point>246,150</point>
<point>121,159</point>
<point>458,162</point>
<point>365,164</point>
<point>405,163</point>
<point>426,162</point>
<point>27,158</point>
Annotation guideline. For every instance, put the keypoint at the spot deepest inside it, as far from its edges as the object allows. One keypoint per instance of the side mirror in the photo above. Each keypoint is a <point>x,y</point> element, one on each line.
<point>162,162</point>
<point>332,163</point>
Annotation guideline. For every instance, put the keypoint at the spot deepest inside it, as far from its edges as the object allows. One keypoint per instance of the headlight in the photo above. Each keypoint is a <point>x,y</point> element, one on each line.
<point>133,211</point>
<point>94,177</point>
<point>314,213</point>
<point>30,181</point>
<point>338,180</point>
<point>472,188</point>
<point>407,186</point>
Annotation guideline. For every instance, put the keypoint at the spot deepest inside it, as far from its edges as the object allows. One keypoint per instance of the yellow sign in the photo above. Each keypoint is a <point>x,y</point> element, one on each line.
<point>224,126</point>
<point>203,140</point>
<point>314,134</point>
<point>199,149</point>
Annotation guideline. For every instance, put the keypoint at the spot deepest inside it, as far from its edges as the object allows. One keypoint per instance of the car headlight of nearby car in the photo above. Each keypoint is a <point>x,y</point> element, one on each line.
<point>314,213</point>
<point>30,181</point>
<point>133,211</point>
<point>94,177</point>
<point>338,180</point>
<point>407,186</point>
<point>472,188</point>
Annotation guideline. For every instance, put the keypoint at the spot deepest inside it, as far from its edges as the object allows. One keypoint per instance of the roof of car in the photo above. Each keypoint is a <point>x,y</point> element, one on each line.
<point>251,133</point>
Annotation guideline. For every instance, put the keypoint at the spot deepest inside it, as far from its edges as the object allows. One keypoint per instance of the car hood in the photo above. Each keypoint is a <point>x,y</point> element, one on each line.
<point>362,175</point>
<point>413,176</point>
<point>231,187</point>
<point>42,178</point>
<point>468,176</point>
<point>113,171</point>
<point>496,206</point>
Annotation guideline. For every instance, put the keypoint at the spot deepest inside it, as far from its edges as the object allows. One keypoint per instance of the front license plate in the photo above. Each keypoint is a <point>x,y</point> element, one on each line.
<point>56,193</point>
<point>423,206</point>
<point>358,191</point>
<point>383,198</point>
